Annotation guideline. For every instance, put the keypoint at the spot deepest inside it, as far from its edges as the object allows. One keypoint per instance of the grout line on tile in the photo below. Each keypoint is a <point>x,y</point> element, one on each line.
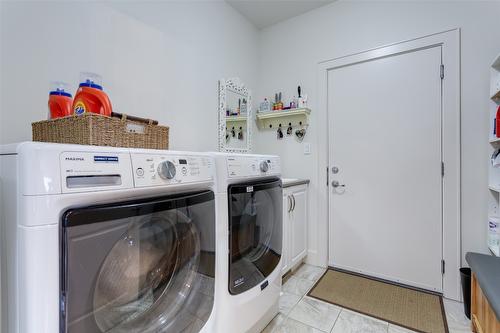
<point>336,319</point>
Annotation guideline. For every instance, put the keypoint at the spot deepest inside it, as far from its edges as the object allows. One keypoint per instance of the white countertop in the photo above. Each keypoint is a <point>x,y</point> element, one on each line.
<point>287,182</point>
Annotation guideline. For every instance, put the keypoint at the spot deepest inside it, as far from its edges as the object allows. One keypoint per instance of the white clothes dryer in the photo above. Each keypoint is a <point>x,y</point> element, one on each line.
<point>249,219</point>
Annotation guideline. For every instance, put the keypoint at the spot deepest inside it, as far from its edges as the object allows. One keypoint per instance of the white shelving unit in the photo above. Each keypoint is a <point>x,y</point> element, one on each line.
<point>494,188</point>
<point>494,173</point>
<point>494,250</point>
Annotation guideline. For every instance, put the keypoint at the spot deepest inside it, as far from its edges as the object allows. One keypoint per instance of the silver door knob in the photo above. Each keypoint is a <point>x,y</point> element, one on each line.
<point>336,184</point>
<point>335,170</point>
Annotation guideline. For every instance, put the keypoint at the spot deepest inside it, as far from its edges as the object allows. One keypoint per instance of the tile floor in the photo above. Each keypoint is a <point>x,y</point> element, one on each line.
<point>302,314</point>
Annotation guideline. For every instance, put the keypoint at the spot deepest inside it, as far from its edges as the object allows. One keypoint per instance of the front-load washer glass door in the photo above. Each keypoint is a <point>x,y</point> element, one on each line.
<point>140,266</point>
<point>255,233</point>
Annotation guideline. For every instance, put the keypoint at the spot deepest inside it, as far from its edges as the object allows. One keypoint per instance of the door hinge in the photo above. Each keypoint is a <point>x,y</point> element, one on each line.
<point>441,71</point>
<point>442,267</point>
<point>442,169</point>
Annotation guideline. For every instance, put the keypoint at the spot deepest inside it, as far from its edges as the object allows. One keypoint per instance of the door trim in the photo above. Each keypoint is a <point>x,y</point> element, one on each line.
<point>450,44</point>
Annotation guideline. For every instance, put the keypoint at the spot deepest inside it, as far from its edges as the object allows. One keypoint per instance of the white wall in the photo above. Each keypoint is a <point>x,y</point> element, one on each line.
<point>158,60</point>
<point>162,60</point>
<point>164,63</point>
<point>205,41</point>
<point>344,28</point>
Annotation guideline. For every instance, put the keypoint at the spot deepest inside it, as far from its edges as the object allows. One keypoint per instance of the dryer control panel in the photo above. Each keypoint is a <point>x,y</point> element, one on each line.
<point>251,166</point>
<point>155,170</point>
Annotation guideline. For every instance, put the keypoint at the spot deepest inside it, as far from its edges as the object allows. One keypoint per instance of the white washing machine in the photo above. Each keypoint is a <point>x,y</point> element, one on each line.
<point>249,216</point>
<point>98,239</point>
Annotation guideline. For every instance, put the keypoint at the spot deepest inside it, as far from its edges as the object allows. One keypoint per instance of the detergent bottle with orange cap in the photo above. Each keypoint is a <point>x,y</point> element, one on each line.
<point>90,97</point>
<point>60,100</point>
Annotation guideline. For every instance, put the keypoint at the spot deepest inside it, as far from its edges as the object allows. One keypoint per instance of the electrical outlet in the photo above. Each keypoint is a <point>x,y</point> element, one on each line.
<point>307,148</point>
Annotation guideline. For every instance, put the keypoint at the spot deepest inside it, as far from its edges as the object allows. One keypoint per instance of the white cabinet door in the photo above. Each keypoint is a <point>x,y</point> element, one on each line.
<point>298,224</point>
<point>285,253</point>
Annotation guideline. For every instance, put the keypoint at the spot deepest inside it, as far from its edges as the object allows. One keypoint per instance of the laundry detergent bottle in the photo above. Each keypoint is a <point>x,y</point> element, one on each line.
<point>60,100</point>
<point>90,97</point>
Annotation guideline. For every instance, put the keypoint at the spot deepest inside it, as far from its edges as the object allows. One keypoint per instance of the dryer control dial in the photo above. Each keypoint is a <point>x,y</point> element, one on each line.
<point>264,166</point>
<point>167,170</point>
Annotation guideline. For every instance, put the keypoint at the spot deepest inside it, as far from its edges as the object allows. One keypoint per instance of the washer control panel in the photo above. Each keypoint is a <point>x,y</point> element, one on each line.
<point>91,171</point>
<point>242,166</point>
<point>155,170</point>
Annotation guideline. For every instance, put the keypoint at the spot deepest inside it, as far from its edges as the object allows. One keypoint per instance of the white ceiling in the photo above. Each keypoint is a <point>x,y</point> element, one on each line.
<point>263,13</point>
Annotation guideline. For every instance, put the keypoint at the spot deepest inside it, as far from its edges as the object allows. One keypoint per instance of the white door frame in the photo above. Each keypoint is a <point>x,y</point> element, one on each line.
<point>450,43</point>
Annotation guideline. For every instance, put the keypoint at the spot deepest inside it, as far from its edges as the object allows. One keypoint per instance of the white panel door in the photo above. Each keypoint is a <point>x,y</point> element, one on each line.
<point>385,139</point>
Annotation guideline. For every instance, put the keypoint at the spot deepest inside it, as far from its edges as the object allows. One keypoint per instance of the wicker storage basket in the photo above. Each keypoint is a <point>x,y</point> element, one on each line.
<point>97,130</point>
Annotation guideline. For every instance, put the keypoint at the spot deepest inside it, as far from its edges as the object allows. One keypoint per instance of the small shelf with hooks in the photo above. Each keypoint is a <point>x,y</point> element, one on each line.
<point>231,119</point>
<point>285,118</point>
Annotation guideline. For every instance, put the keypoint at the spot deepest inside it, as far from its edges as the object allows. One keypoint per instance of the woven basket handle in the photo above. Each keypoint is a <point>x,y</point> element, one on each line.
<point>124,117</point>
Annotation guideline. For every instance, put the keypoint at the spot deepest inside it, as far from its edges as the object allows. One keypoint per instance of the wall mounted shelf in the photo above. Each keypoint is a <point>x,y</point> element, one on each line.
<point>236,119</point>
<point>495,188</point>
<point>293,117</point>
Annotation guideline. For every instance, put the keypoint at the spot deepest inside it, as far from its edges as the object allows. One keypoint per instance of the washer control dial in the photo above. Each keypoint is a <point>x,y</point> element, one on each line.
<point>167,170</point>
<point>264,166</point>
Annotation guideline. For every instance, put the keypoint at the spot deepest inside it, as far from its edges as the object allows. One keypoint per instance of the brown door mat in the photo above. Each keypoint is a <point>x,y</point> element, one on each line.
<point>414,309</point>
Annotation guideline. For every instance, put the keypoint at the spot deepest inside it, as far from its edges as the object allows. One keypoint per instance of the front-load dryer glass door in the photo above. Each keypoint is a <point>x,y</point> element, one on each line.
<point>140,266</point>
<point>255,233</point>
